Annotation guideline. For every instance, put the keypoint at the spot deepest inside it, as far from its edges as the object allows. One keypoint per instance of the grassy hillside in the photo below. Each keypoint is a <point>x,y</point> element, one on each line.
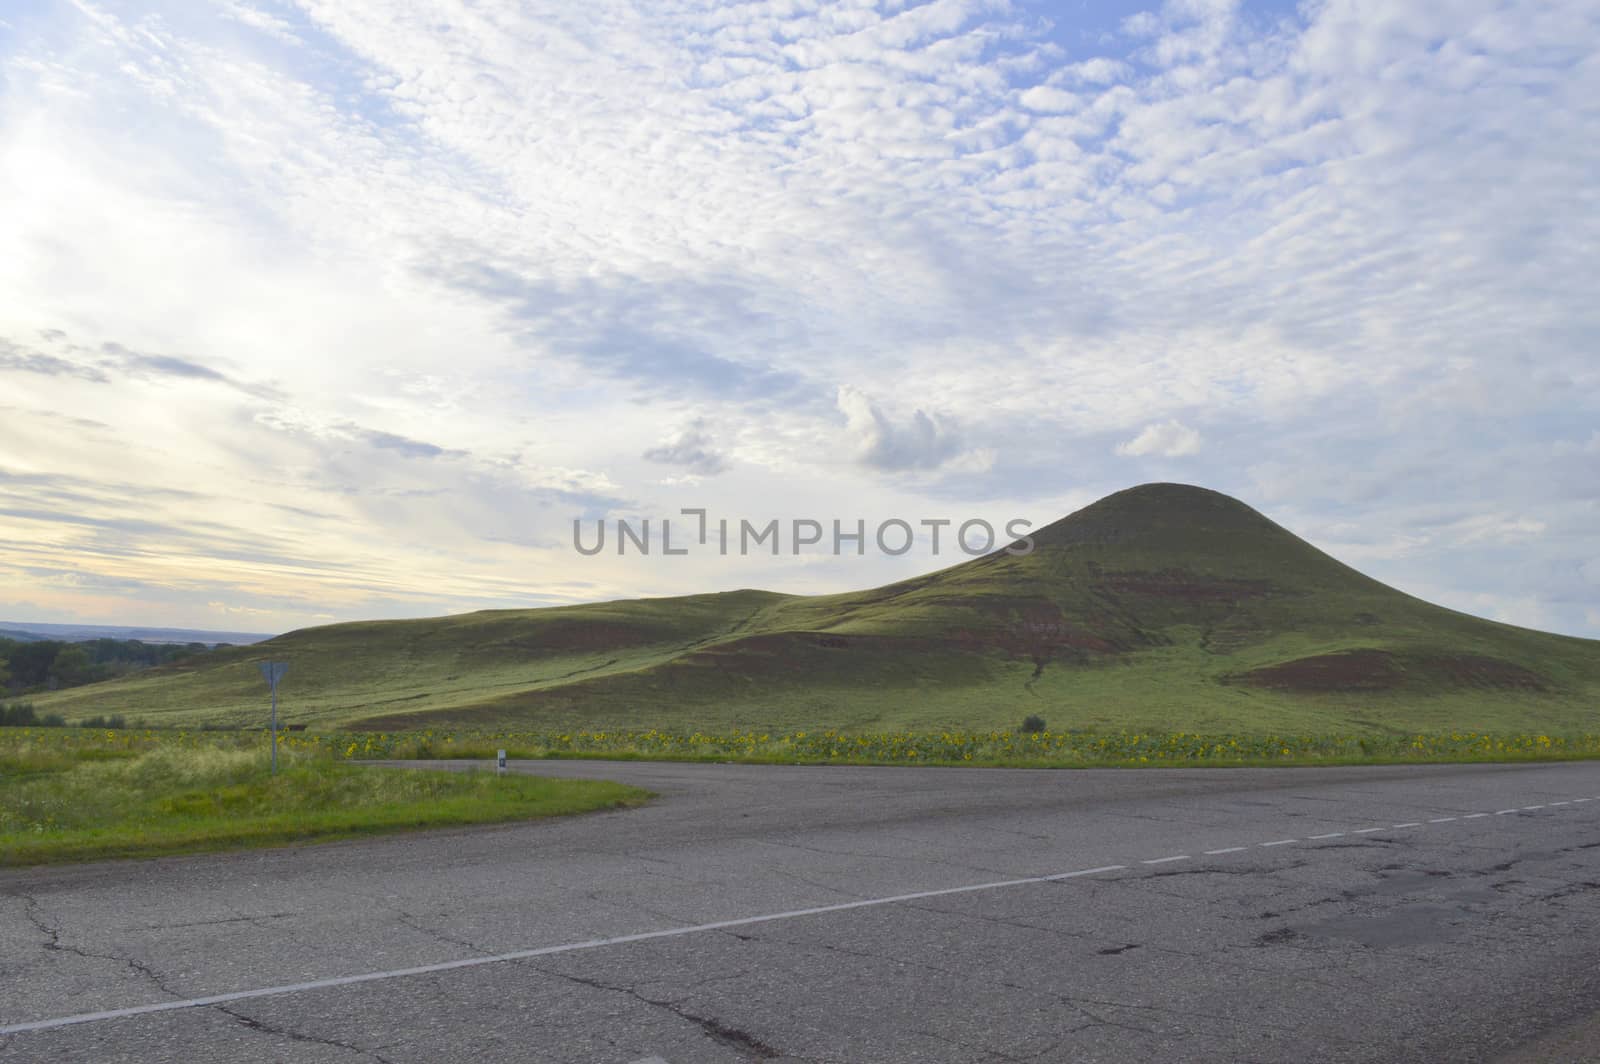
<point>1164,606</point>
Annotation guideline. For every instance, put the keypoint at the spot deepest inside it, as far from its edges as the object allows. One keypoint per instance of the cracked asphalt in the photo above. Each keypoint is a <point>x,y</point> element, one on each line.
<point>1347,914</point>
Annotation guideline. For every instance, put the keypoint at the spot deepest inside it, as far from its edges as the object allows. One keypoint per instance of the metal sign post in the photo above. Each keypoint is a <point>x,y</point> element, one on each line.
<point>272,672</point>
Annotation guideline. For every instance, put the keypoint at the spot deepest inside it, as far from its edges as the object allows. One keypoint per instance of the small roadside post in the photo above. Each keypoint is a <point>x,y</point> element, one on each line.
<point>500,764</point>
<point>272,672</point>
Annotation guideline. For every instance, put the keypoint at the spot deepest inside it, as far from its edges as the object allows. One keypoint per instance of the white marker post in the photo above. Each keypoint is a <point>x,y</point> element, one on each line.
<point>272,672</point>
<point>500,764</point>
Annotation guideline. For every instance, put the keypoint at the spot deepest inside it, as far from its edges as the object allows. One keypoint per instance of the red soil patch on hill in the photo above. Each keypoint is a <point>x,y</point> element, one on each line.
<point>1379,670</point>
<point>1476,670</point>
<point>1349,670</point>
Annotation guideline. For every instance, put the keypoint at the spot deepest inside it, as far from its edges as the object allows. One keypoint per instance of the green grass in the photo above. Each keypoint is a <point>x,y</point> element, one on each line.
<point>1072,749</point>
<point>68,795</point>
<point>1158,608</point>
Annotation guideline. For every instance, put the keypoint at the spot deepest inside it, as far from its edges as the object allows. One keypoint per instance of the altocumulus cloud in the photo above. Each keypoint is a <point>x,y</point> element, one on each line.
<point>1168,439</point>
<point>449,273</point>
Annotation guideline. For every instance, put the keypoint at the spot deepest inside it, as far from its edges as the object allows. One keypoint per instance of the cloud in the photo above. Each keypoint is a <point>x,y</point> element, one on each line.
<point>155,367</point>
<point>1352,236</point>
<point>403,445</point>
<point>692,449</point>
<point>1097,71</point>
<point>663,333</point>
<point>1048,100</point>
<point>1168,439</point>
<point>16,358</point>
<point>1498,528</point>
<point>923,441</point>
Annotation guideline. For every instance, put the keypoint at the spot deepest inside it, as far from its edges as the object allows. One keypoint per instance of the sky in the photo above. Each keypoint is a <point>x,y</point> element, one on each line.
<point>318,310</point>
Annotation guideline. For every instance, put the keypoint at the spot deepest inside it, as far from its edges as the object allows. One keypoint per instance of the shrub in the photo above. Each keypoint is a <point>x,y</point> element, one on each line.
<point>21,715</point>
<point>1032,724</point>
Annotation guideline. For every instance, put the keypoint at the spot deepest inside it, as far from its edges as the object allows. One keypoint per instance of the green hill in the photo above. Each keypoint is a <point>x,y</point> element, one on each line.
<point>1160,607</point>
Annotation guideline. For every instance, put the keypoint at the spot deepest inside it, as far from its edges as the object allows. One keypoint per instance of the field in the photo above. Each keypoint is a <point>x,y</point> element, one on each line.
<point>1160,609</point>
<point>1038,749</point>
<point>70,794</point>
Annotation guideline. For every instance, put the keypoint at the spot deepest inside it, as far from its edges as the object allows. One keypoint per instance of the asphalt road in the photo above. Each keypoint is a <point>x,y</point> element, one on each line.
<point>860,915</point>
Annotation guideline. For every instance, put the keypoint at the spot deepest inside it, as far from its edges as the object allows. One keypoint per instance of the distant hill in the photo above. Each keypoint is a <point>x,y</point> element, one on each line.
<point>1163,606</point>
<point>23,631</point>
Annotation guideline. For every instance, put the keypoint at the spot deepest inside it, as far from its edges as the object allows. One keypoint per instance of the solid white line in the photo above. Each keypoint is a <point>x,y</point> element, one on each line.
<point>543,951</point>
<point>645,936</point>
<point>1441,820</point>
<point>1042,879</point>
<point>1227,849</point>
<point>1408,824</point>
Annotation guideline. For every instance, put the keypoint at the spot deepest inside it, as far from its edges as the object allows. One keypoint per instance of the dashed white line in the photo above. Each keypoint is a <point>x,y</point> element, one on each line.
<point>1327,835</point>
<point>1554,804</point>
<point>1227,849</point>
<point>1441,820</point>
<point>1474,816</point>
<point>1408,824</point>
<point>1531,808</point>
<point>1278,842</point>
<point>1166,860</point>
<point>1506,812</point>
<point>1367,831</point>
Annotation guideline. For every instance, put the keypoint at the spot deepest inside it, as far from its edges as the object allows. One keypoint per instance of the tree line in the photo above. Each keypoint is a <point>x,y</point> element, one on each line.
<point>28,666</point>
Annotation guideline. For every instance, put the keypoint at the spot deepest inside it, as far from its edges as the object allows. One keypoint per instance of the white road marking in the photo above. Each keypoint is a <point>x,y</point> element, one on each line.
<point>672,932</point>
<point>1554,804</point>
<point>1015,882</point>
<point>543,951</point>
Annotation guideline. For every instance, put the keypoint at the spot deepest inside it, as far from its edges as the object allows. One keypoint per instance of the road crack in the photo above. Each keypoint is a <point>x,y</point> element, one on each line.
<point>263,1027</point>
<point>742,1042</point>
<point>52,944</point>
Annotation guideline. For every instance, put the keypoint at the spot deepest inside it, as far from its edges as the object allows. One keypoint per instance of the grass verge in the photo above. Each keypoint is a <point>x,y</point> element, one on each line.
<point>1073,749</point>
<point>68,795</point>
